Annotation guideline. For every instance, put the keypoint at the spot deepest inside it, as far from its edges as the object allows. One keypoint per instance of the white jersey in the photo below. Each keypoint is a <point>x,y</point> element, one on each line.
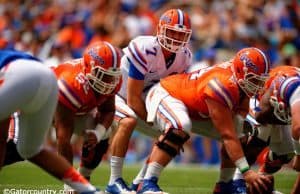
<point>145,54</point>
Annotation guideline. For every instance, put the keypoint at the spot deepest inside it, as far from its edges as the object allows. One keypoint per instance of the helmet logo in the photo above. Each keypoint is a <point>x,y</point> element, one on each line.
<point>248,63</point>
<point>95,56</point>
<point>166,19</point>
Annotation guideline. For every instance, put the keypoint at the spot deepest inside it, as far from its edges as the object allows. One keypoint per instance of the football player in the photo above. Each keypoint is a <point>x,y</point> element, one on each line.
<point>212,97</point>
<point>275,122</point>
<point>27,86</point>
<point>87,88</point>
<point>146,60</point>
<point>86,105</point>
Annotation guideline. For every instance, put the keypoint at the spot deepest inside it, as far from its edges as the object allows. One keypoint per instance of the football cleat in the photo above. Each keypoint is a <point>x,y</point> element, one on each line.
<point>134,187</point>
<point>68,189</point>
<point>150,186</point>
<point>119,187</point>
<point>92,192</point>
<point>239,187</point>
<point>222,188</point>
<point>233,187</point>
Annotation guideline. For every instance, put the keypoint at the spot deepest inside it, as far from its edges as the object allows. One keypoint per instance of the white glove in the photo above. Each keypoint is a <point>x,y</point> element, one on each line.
<point>100,132</point>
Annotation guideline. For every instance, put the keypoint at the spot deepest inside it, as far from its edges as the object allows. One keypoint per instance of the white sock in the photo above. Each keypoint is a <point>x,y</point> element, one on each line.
<point>86,172</point>
<point>238,175</point>
<point>139,178</point>
<point>226,174</point>
<point>154,169</point>
<point>116,166</point>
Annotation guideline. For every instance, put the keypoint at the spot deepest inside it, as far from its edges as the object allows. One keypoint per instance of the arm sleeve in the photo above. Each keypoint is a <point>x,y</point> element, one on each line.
<point>134,72</point>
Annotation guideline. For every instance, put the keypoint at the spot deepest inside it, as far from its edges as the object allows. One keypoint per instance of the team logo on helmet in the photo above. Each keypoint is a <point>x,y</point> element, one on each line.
<point>98,59</point>
<point>174,30</point>
<point>102,67</point>
<point>248,63</point>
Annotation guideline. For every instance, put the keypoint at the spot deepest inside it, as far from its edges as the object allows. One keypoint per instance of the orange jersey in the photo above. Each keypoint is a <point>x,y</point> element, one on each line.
<point>194,88</point>
<point>74,89</point>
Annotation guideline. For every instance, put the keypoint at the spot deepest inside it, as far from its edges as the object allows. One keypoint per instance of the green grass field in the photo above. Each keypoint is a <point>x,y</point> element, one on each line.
<point>176,179</point>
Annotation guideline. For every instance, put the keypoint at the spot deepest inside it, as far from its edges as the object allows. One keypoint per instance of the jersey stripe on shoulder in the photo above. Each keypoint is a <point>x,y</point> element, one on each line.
<point>137,56</point>
<point>220,91</point>
<point>72,98</point>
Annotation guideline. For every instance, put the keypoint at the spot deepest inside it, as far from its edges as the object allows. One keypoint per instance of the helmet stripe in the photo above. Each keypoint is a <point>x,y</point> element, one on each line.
<point>285,87</point>
<point>180,17</point>
<point>265,59</point>
<point>114,55</point>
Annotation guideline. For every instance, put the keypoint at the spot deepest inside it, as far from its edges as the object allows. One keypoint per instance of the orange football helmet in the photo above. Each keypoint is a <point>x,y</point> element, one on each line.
<point>101,63</point>
<point>250,67</point>
<point>282,88</point>
<point>174,30</point>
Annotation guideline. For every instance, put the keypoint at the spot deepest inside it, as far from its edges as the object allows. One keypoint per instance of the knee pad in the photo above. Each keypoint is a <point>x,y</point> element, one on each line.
<point>91,158</point>
<point>173,141</point>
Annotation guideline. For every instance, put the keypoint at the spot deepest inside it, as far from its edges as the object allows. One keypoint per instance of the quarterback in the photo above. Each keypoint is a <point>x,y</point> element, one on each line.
<point>146,60</point>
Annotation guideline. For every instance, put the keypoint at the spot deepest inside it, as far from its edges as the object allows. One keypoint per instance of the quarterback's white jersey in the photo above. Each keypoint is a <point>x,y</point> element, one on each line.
<point>145,54</point>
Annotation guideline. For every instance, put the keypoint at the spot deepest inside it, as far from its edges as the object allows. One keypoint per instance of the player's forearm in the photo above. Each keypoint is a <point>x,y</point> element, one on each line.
<point>236,154</point>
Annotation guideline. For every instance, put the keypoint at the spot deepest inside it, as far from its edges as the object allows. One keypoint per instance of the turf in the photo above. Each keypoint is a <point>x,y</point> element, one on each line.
<point>176,179</point>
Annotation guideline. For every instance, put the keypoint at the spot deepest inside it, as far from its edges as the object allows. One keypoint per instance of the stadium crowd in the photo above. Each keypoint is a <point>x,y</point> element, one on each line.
<point>58,30</point>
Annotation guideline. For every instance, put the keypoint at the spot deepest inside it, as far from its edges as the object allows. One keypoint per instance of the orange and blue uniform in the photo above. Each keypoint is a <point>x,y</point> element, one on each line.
<point>74,90</point>
<point>192,89</point>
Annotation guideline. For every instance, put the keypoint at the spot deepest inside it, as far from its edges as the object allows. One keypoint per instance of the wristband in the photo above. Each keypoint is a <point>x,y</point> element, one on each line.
<point>242,165</point>
<point>296,145</point>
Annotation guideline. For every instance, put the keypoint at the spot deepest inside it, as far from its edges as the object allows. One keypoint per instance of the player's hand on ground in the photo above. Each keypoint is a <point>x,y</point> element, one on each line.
<point>259,183</point>
<point>296,163</point>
